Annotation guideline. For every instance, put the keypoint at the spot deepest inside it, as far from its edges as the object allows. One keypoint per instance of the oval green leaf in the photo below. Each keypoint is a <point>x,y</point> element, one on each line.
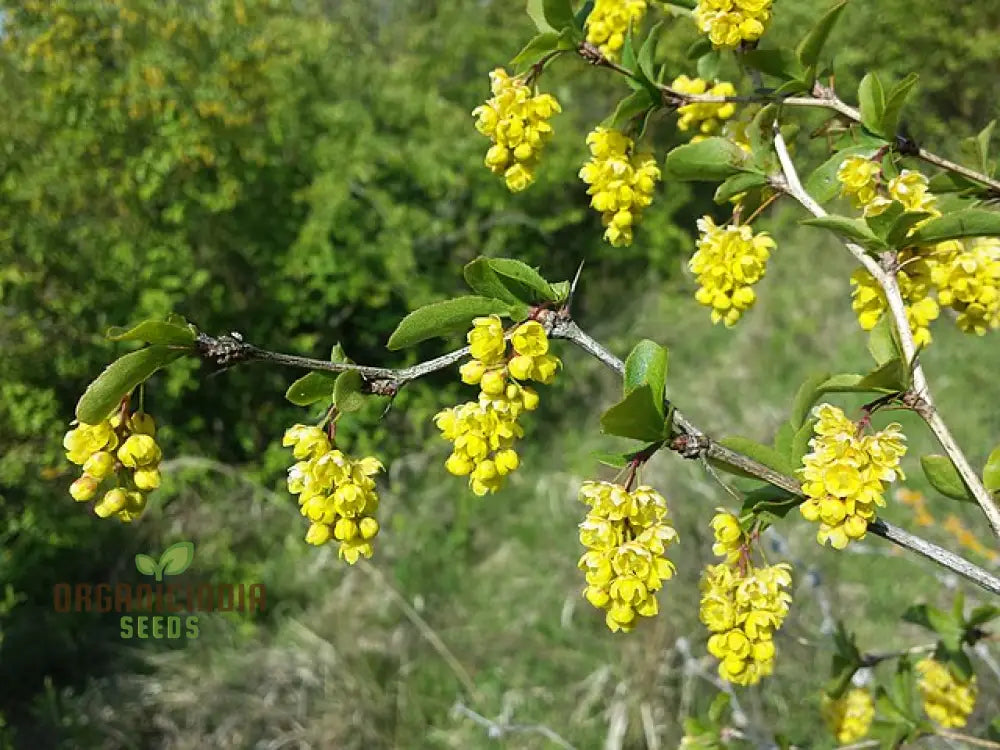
<point>118,380</point>
<point>944,477</point>
<point>312,387</point>
<point>443,319</point>
<point>646,364</point>
<point>636,416</point>
<point>154,332</point>
<point>991,472</point>
<point>708,160</point>
<point>347,391</point>
<point>969,222</point>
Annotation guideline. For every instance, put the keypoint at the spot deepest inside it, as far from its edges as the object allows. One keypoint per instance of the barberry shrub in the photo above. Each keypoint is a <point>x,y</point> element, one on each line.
<point>921,229</point>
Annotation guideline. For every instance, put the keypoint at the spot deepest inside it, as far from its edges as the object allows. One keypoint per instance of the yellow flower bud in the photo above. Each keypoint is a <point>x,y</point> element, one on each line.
<point>369,528</point>
<point>83,488</point>
<point>100,465</point>
<point>138,450</point>
<point>112,502</point>
<point>318,533</point>
<point>146,479</point>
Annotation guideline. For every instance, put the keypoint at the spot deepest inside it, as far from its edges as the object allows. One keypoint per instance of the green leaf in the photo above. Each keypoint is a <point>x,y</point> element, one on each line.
<point>783,439</point>
<point>811,45</point>
<point>890,377</point>
<point>582,13</point>
<point>558,13</point>
<point>991,472</point>
<point>118,380</point>
<point>872,103</point>
<point>718,707</point>
<point>708,160</point>
<point>614,460</point>
<point>709,64</point>
<point>538,46</point>
<point>646,52</point>
<point>800,443</point>
<point>154,332</point>
<point>983,147</point>
<point>701,46</point>
<point>536,12</point>
<point>485,281</point>
<point>145,564</point>
<point>347,391</point>
<point>823,184</point>
<point>936,620</point>
<point>969,222</point>
<point>844,382</point>
<point>769,502</point>
<point>443,319</point>
<point>521,280</point>
<point>631,107</point>
<point>637,416</point>
<point>852,229</point>
<point>950,182</point>
<point>779,63</point>
<point>882,223</point>
<point>897,234</point>
<point>944,477</point>
<point>646,364</point>
<point>982,615</point>
<point>561,291</point>
<point>806,396</point>
<point>739,183</point>
<point>882,343</point>
<point>761,453</point>
<point>894,102</point>
<point>177,558</point>
<point>312,387</point>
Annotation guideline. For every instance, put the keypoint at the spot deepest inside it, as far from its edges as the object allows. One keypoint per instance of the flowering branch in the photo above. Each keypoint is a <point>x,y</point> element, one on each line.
<point>823,97</point>
<point>690,442</point>
<point>885,276</point>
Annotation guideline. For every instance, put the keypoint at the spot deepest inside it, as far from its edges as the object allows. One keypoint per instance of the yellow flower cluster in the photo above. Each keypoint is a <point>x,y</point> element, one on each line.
<point>915,285</point>
<point>968,281</point>
<point>621,182</point>
<point>483,432</point>
<point>859,181</point>
<point>843,476</point>
<point>626,535</point>
<point>336,493</point>
<point>517,122</point>
<point>730,22</point>
<point>850,716</point>
<point>742,605</point>
<point>728,262</point>
<point>707,118</point>
<point>948,700</point>
<point>122,447</point>
<point>609,22</point>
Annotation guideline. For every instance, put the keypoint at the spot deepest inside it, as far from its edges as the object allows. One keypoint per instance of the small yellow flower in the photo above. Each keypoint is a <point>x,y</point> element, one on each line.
<point>516,121</point>
<point>621,183</point>
<point>608,23</point>
<point>728,262</point>
<point>948,700</point>
<point>850,716</point>
<point>706,118</point>
<point>83,488</point>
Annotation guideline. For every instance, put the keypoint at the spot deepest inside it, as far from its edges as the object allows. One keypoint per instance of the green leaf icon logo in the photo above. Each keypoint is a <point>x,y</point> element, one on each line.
<point>145,564</point>
<point>176,558</point>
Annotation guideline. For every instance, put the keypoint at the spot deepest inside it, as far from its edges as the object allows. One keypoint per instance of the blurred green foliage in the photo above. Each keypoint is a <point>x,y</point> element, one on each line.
<point>304,173</point>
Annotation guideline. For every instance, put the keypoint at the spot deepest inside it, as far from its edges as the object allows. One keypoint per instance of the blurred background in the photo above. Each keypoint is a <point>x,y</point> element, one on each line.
<point>306,173</point>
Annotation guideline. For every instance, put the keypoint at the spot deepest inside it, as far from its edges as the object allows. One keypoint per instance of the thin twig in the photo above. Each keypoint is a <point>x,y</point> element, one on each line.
<point>690,443</point>
<point>886,279</point>
<point>948,734</point>
<point>823,97</point>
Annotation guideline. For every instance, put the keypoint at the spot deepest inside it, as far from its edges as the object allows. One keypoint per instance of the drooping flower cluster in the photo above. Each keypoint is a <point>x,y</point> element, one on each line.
<point>516,120</point>
<point>621,182</point>
<point>742,605</point>
<point>968,281</point>
<point>844,476</point>
<point>728,262</point>
<point>609,22</point>
<point>730,22</point>
<point>336,493</point>
<point>122,448</point>
<point>915,286</point>
<point>483,432</point>
<point>706,118</point>
<point>859,181</point>
<point>948,700</point>
<point>850,716</point>
<point>626,535</point>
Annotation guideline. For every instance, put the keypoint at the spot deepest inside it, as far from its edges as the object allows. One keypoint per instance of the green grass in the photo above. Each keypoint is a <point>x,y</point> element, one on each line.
<point>487,591</point>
